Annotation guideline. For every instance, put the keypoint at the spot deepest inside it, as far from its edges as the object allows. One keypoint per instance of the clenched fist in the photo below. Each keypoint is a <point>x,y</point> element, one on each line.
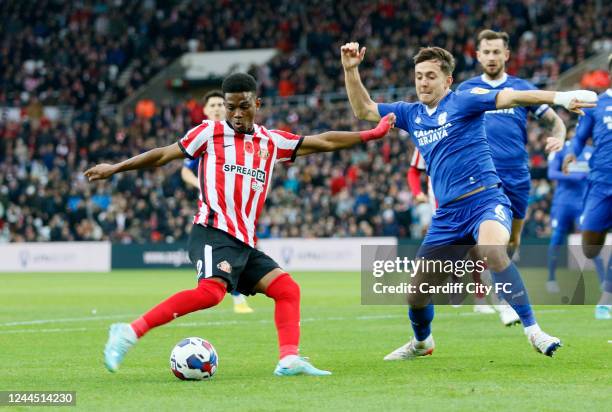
<point>352,55</point>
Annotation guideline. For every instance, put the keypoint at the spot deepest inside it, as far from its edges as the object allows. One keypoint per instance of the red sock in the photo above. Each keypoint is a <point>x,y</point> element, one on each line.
<point>286,294</point>
<point>478,280</point>
<point>208,293</point>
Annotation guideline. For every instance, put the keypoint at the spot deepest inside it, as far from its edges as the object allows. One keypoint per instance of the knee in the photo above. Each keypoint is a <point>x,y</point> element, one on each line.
<point>212,287</point>
<point>284,287</point>
<point>591,251</point>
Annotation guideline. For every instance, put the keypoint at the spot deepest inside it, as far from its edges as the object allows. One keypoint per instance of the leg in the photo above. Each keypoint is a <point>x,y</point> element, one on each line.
<point>557,239</point>
<point>240,303</point>
<point>492,239</point>
<point>279,286</point>
<point>208,293</point>
<point>515,236</point>
<point>592,243</point>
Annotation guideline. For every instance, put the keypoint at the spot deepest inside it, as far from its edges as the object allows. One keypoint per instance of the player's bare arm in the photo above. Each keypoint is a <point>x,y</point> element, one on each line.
<point>362,104</point>
<point>189,177</point>
<point>152,158</point>
<point>553,122</point>
<point>573,101</point>
<point>333,140</point>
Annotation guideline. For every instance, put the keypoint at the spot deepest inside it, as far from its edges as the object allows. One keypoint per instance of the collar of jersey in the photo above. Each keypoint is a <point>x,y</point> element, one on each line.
<point>609,92</point>
<point>429,111</point>
<point>494,83</point>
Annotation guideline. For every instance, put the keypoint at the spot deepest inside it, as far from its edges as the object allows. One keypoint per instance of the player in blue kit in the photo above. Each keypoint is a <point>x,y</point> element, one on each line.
<point>597,214</point>
<point>214,109</point>
<point>448,130</point>
<point>506,129</point>
<point>567,207</point>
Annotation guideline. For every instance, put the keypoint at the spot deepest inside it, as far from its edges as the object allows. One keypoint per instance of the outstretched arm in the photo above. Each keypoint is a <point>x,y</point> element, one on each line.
<point>362,104</point>
<point>153,158</point>
<point>332,141</point>
<point>573,101</point>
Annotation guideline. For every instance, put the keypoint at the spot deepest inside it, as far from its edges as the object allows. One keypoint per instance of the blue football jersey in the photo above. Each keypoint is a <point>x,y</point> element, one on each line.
<point>451,139</point>
<point>597,123</point>
<point>571,187</point>
<point>507,128</point>
<point>192,164</point>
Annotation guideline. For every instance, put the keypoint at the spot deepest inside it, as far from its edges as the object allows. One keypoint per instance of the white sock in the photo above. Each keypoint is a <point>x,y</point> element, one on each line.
<point>287,360</point>
<point>530,330</point>
<point>238,299</point>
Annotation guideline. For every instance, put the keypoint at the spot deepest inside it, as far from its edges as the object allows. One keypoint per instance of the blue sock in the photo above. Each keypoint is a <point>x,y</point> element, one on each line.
<point>235,293</point>
<point>607,283</point>
<point>421,321</point>
<point>599,268</point>
<point>556,240</point>
<point>517,298</point>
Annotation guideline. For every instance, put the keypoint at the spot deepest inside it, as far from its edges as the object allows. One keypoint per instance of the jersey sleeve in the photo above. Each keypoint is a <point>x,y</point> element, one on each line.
<point>584,130</point>
<point>400,109</point>
<point>476,100</point>
<point>536,110</point>
<point>287,145</point>
<point>195,141</point>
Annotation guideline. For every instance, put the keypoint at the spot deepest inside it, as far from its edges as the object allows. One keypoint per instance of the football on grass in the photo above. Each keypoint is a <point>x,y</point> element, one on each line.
<point>194,359</point>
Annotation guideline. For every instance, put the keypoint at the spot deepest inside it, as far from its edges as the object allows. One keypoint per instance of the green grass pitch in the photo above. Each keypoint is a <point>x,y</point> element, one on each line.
<point>53,328</point>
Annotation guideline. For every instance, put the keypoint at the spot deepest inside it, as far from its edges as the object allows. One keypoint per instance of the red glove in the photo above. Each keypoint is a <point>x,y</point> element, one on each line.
<point>383,127</point>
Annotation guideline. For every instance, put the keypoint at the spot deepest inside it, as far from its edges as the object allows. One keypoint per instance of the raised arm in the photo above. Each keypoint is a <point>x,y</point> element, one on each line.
<point>573,101</point>
<point>362,104</point>
<point>332,141</point>
<point>153,158</point>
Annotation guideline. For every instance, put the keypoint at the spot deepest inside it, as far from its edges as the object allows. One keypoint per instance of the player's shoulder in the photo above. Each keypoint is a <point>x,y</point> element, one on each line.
<point>519,83</point>
<point>475,81</point>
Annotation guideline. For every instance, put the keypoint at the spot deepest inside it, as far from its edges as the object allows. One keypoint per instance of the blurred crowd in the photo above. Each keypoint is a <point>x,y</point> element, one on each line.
<point>73,52</point>
<point>357,192</point>
<point>87,53</point>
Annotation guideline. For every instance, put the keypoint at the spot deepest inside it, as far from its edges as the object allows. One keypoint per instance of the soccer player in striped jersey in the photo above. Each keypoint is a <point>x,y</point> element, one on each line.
<point>448,129</point>
<point>597,213</point>
<point>506,129</point>
<point>237,159</point>
<point>214,109</point>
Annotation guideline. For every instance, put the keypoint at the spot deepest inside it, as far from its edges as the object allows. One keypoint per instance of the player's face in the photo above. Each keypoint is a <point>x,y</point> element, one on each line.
<point>431,82</point>
<point>493,55</point>
<point>240,110</point>
<point>214,109</point>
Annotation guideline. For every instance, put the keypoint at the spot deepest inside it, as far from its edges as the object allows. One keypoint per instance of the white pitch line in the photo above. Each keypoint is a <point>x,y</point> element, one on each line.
<point>66,320</point>
<point>261,321</point>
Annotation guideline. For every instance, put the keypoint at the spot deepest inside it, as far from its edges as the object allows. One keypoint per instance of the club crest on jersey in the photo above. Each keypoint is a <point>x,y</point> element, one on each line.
<point>418,120</point>
<point>248,147</point>
<point>442,118</point>
<point>224,266</point>
<point>479,90</point>
<point>263,153</point>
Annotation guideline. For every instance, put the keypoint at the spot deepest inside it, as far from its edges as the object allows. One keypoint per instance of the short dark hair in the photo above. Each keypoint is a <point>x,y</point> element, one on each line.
<point>493,35</point>
<point>238,83</point>
<point>211,94</point>
<point>446,60</point>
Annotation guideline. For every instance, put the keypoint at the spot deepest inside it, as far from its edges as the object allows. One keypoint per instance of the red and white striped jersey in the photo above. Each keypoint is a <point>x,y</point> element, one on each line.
<point>418,162</point>
<point>235,173</point>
